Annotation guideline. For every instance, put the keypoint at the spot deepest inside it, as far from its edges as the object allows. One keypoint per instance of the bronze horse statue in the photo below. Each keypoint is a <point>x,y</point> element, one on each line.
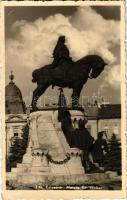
<point>67,74</point>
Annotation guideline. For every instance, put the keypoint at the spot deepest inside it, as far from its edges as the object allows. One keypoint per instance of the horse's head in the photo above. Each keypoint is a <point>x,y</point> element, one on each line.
<point>96,64</point>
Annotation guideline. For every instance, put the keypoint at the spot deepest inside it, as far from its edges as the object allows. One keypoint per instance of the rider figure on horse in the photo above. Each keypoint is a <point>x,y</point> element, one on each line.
<point>60,51</point>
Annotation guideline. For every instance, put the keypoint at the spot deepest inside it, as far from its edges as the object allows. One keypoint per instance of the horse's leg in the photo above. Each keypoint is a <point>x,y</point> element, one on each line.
<point>36,94</point>
<point>75,99</point>
<point>76,95</point>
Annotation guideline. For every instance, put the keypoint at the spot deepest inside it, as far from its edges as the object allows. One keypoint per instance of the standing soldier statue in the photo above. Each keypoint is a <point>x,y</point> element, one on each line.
<point>100,146</point>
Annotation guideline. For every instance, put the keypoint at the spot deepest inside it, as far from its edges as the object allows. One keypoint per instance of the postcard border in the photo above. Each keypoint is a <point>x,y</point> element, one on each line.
<point>40,194</point>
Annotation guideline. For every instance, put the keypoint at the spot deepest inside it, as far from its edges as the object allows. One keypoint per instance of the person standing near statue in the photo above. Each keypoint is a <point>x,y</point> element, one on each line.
<point>60,51</point>
<point>99,149</point>
<point>84,142</point>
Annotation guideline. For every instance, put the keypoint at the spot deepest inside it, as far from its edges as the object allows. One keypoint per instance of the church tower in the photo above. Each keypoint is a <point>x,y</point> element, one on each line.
<point>13,98</point>
<point>16,117</point>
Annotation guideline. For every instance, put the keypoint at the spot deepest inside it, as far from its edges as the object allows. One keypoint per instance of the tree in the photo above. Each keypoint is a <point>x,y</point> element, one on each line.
<point>113,157</point>
<point>17,149</point>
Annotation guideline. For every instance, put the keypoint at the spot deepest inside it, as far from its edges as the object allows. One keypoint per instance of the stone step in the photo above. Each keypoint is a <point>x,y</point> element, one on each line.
<point>11,176</point>
<point>40,169</point>
<point>22,165</point>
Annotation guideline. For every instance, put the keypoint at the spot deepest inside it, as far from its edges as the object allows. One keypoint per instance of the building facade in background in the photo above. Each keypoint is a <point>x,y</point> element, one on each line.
<point>105,117</point>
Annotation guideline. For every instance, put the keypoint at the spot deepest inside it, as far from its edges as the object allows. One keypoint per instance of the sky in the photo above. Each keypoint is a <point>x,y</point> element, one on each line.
<point>32,32</point>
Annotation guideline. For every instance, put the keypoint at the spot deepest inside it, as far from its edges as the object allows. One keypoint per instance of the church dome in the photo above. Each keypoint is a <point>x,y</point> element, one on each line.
<point>13,98</point>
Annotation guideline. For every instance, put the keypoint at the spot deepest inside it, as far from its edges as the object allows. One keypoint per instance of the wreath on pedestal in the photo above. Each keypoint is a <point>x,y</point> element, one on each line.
<point>50,159</point>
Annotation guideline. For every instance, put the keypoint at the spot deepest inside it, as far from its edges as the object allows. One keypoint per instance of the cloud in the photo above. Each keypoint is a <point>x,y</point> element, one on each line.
<point>99,34</point>
<point>87,32</point>
<point>112,77</point>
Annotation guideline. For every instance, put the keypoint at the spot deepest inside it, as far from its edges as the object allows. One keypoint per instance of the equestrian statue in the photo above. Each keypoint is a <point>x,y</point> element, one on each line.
<point>64,72</point>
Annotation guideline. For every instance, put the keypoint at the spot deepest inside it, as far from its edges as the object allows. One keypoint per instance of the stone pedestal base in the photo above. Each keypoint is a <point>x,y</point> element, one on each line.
<point>48,155</point>
<point>40,181</point>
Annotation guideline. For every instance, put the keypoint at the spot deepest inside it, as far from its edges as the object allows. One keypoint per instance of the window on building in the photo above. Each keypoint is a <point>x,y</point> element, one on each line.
<point>16,129</point>
<point>15,134</point>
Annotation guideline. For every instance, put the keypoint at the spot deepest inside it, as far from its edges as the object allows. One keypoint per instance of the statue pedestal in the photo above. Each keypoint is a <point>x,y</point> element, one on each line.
<point>48,155</point>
